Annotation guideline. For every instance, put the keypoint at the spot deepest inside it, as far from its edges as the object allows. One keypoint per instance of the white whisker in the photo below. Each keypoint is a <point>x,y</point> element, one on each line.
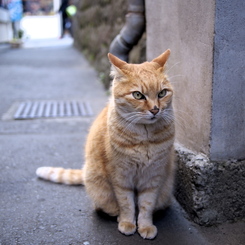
<point>168,116</point>
<point>175,76</point>
<point>127,123</point>
<point>172,67</point>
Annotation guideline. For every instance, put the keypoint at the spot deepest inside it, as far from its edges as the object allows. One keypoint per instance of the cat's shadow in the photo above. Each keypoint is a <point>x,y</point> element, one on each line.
<point>105,217</point>
<point>160,215</point>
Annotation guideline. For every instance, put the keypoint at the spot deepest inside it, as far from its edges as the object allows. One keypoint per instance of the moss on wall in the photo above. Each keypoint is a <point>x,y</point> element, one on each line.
<point>95,26</point>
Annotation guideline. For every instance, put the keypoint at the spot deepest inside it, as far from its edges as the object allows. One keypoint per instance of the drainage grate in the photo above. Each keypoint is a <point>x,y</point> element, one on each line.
<point>49,109</point>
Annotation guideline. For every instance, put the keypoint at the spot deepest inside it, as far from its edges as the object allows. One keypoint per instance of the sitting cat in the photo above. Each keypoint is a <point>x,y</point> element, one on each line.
<point>129,150</point>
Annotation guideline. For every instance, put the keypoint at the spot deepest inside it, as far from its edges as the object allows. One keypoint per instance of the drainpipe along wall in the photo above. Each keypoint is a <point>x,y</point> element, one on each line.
<point>131,32</point>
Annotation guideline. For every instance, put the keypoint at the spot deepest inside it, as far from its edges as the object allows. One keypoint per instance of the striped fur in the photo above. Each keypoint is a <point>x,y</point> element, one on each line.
<point>61,175</point>
<point>129,150</point>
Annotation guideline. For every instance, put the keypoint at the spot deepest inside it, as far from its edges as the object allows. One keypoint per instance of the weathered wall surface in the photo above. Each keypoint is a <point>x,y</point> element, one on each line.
<point>228,112</point>
<point>186,27</point>
<point>95,25</point>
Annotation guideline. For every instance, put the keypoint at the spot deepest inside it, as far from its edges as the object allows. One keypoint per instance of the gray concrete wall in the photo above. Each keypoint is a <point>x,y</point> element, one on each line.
<point>228,113</point>
<point>186,27</point>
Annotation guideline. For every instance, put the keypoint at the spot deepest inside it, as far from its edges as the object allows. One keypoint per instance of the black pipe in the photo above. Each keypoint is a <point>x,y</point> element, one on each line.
<point>131,32</point>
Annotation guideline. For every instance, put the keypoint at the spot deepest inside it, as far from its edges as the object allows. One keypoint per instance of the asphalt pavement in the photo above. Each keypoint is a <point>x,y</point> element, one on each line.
<point>34,211</point>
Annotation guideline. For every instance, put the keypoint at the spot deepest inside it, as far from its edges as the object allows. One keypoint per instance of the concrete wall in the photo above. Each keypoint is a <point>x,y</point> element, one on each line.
<point>207,42</point>
<point>186,27</point>
<point>228,114</point>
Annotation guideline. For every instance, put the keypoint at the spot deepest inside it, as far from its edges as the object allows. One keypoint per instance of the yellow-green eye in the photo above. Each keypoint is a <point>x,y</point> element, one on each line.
<point>162,93</point>
<point>138,96</point>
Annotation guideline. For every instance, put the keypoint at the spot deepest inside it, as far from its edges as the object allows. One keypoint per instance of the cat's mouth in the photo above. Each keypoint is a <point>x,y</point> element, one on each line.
<point>152,118</point>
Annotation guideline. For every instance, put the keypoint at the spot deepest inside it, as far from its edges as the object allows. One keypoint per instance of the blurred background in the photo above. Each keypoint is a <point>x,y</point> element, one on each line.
<point>38,19</point>
<point>95,24</point>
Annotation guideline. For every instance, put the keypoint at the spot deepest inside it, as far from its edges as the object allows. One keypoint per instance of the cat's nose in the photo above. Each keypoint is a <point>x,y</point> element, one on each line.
<point>154,111</point>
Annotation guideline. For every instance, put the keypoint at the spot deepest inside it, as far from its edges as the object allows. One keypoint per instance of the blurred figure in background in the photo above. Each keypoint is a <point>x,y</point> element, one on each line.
<point>15,8</point>
<point>65,18</point>
<point>71,11</point>
<point>67,10</point>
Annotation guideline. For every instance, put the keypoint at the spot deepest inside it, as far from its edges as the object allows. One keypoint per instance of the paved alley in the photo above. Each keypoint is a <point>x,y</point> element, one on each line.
<point>34,211</point>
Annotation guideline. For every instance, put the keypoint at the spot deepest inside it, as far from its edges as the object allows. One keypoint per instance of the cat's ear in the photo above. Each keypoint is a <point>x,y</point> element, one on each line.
<point>116,66</point>
<point>116,61</point>
<point>162,59</point>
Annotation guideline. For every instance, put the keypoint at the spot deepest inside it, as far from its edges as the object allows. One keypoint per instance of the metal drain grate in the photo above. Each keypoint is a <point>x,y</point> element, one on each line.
<point>49,109</point>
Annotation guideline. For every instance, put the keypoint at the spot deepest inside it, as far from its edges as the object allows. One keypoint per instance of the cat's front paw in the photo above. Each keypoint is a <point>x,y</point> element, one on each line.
<point>127,228</point>
<point>148,232</point>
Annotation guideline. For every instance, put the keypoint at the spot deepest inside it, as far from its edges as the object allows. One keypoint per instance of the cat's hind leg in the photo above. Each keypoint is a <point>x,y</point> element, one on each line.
<point>102,195</point>
<point>165,194</point>
<point>164,200</point>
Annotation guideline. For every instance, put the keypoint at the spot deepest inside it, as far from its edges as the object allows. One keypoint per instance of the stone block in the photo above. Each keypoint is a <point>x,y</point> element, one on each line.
<point>210,192</point>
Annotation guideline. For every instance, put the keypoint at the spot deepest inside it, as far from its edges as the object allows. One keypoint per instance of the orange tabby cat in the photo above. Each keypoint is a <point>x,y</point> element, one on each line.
<point>129,150</point>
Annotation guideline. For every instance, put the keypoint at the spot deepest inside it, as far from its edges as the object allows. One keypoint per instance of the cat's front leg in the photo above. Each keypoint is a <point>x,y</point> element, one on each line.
<point>146,203</point>
<point>126,219</point>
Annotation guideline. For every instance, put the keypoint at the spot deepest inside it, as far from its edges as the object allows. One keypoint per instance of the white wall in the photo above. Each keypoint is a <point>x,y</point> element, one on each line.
<point>41,27</point>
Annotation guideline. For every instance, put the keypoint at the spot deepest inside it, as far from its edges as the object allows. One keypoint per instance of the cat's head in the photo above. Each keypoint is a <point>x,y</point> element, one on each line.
<point>141,92</point>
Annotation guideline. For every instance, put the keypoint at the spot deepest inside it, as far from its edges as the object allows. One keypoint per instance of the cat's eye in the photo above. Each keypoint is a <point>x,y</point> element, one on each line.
<point>138,96</point>
<point>162,93</point>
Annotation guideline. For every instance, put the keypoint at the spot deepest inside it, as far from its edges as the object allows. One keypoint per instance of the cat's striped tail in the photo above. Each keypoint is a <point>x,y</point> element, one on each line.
<point>61,175</point>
